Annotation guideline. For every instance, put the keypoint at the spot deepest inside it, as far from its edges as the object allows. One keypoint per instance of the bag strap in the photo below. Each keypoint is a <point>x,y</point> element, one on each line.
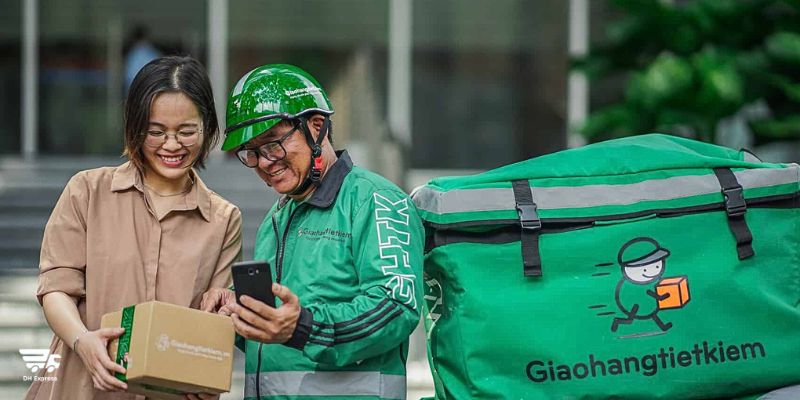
<point>530,225</point>
<point>736,207</point>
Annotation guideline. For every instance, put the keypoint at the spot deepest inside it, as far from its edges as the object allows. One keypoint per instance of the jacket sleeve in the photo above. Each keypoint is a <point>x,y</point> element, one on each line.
<point>388,241</point>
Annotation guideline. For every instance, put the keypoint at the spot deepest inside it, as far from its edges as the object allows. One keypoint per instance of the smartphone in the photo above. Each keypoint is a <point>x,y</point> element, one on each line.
<point>253,278</point>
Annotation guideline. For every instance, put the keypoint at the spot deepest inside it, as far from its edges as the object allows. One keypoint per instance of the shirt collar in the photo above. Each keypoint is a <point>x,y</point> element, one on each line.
<point>200,197</point>
<point>329,187</point>
<point>128,176</point>
<point>125,177</point>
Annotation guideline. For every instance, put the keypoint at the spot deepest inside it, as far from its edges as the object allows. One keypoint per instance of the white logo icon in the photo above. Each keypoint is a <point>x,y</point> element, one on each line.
<point>36,359</point>
<point>163,342</point>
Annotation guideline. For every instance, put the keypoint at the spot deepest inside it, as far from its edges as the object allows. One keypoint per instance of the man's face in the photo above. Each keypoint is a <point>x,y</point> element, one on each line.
<point>287,174</point>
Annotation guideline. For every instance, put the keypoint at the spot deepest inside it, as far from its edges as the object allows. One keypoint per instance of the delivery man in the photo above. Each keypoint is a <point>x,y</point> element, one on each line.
<point>345,246</point>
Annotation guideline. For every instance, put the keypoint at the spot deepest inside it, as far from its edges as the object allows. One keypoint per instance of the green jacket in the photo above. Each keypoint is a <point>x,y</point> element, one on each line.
<point>352,253</point>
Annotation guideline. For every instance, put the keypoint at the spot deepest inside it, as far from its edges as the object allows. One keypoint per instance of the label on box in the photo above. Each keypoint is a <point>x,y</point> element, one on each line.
<point>125,341</point>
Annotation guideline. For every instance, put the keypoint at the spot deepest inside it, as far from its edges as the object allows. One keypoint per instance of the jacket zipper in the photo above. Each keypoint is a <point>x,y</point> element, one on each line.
<point>282,244</point>
<point>279,251</point>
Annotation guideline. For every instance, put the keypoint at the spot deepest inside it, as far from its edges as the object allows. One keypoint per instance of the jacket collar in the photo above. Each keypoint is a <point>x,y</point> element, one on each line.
<point>329,187</point>
<point>127,176</point>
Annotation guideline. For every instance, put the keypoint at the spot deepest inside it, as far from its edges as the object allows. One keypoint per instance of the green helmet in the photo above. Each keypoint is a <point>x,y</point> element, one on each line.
<point>267,94</point>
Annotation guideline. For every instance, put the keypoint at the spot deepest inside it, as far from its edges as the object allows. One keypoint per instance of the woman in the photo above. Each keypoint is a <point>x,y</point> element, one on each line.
<point>148,229</point>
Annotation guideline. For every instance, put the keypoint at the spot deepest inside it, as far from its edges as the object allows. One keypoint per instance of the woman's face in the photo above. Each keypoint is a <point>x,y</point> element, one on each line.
<point>173,139</point>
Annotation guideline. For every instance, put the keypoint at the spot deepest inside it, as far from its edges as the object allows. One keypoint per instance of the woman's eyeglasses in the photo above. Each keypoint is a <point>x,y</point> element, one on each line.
<point>184,138</point>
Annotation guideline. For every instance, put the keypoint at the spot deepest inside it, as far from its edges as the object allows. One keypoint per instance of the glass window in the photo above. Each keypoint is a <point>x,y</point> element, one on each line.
<point>341,43</point>
<point>84,48</point>
<point>489,81</point>
<point>10,75</point>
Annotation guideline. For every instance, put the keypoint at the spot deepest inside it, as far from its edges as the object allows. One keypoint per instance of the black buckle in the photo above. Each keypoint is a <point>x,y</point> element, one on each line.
<point>528,218</point>
<point>735,205</point>
<point>315,175</point>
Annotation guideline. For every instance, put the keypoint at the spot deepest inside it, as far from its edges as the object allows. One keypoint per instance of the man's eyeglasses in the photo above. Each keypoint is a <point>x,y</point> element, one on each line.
<point>184,138</point>
<point>273,151</point>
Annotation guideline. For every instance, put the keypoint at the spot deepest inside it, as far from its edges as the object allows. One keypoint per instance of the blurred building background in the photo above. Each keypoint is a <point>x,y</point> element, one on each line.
<point>420,89</point>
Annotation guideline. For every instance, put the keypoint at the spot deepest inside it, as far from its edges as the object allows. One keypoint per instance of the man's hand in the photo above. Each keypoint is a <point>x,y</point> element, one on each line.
<point>216,298</point>
<point>260,322</point>
<point>92,349</point>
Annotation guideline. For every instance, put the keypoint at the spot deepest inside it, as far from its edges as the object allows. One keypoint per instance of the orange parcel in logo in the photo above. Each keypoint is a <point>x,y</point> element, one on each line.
<point>678,290</point>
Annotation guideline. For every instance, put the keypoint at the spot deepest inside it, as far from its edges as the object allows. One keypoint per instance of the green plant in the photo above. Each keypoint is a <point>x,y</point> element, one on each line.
<point>689,64</point>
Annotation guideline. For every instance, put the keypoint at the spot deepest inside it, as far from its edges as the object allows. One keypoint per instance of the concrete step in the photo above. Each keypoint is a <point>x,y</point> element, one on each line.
<point>12,366</point>
<point>22,327</point>
<point>33,235</point>
<point>19,265</point>
<point>19,259</point>
<point>22,323</point>
<point>18,298</point>
<point>18,188</point>
<point>34,181</point>
<point>14,242</point>
<point>19,285</point>
<point>27,311</point>
<point>27,210</point>
<point>14,388</point>
<point>55,164</point>
<point>36,205</point>
<point>22,220</point>
<point>30,337</point>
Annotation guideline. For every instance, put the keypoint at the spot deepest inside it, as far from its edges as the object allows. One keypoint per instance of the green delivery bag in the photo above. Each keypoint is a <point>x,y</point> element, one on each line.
<point>650,267</point>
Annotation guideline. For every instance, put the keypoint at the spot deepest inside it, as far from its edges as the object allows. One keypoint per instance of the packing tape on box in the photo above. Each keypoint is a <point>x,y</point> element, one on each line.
<point>125,341</point>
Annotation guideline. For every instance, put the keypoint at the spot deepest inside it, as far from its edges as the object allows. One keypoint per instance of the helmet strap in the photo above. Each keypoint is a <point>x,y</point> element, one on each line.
<point>315,171</point>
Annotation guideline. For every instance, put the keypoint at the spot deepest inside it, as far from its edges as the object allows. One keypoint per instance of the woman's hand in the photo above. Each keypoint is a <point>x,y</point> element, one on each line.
<point>215,299</point>
<point>92,348</point>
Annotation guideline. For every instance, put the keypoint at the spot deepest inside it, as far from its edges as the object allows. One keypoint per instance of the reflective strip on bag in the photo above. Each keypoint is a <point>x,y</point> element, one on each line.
<point>327,383</point>
<point>553,198</point>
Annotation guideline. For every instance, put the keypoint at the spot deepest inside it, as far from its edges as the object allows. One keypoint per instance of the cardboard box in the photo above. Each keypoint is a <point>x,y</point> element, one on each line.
<point>172,350</point>
<point>678,289</point>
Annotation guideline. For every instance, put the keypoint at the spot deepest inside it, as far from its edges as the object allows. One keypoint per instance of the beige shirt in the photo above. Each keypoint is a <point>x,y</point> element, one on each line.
<point>105,247</point>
